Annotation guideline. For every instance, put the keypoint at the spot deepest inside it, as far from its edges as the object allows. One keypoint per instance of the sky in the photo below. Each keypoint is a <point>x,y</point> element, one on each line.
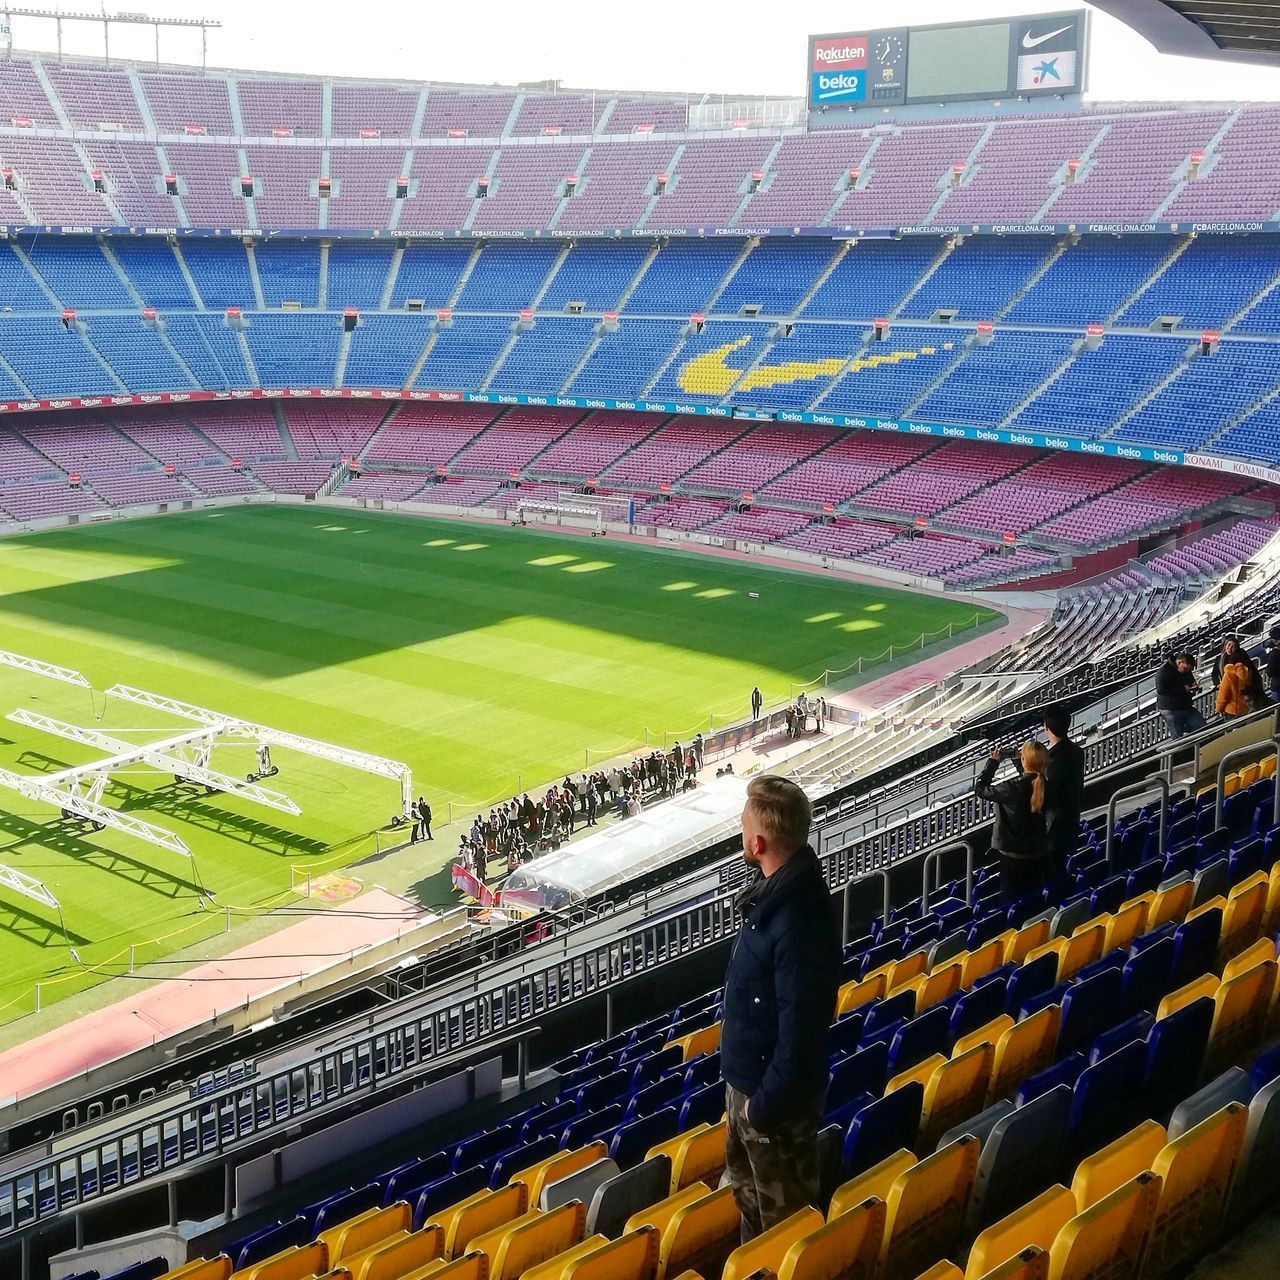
<point>750,48</point>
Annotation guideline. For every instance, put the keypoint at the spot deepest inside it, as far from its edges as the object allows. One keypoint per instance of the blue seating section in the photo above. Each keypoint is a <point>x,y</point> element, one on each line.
<point>544,356</point>
<point>135,351</point>
<point>595,274</point>
<point>289,271</point>
<point>288,348</point>
<point>78,273</point>
<point>357,273</point>
<point>978,278</point>
<point>812,341</point>
<point>1090,281</point>
<point>220,269</point>
<point>507,275</point>
<point>681,278</point>
<point>154,272</point>
<point>384,349</point>
<point>429,273</point>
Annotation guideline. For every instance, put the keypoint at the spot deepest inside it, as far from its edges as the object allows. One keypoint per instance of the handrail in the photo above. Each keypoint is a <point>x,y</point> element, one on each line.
<point>1238,753</point>
<point>1157,782</point>
<point>934,859</point>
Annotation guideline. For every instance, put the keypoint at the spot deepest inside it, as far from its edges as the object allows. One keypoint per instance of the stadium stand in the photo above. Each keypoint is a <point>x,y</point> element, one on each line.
<point>1083,1082</point>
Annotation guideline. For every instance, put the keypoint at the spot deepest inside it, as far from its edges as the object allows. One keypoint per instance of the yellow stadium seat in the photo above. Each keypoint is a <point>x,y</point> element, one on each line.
<point>921,1071</point>
<point>338,1273</point>
<point>1036,1223</point>
<point>660,1214</point>
<point>902,971</point>
<point>1249,775</point>
<point>1126,924</point>
<point>1020,943</point>
<point>1242,920</point>
<point>1108,1238</point>
<point>989,1033</point>
<point>531,1238</point>
<point>977,964</point>
<point>1196,1170</point>
<point>395,1256</point>
<point>1083,947</point>
<point>1267,767</point>
<point>1230,785</point>
<point>853,995</point>
<point>560,1165</point>
<point>942,1271</point>
<point>697,1043</point>
<point>631,1257</point>
<point>769,1248</point>
<point>475,1266</point>
<point>1205,985</point>
<point>300,1263</point>
<point>956,1090</point>
<point>1118,1162</point>
<point>1240,1014</point>
<point>925,1210</point>
<point>1168,904</point>
<point>932,988</point>
<point>218,1268</point>
<point>462,1222</point>
<point>1263,949</point>
<point>1271,914</point>
<point>1025,1049</point>
<point>1030,1264</point>
<point>875,1182</point>
<point>700,1235</point>
<point>846,1246</point>
<point>698,1156</point>
<point>365,1230</point>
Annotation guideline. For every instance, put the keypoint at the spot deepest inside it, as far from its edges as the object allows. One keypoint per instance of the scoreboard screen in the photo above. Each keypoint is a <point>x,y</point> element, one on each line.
<point>956,62</point>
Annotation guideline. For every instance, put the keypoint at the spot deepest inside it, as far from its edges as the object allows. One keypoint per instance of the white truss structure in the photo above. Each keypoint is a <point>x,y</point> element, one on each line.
<point>83,802</point>
<point>36,667</point>
<point>28,887</point>
<point>265,737</point>
<point>185,755</point>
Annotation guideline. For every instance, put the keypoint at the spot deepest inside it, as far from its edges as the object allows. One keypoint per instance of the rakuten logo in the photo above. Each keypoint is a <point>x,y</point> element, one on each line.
<point>840,53</point>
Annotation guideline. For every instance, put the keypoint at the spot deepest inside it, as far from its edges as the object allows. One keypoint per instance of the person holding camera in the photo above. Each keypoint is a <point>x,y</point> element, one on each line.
<point>1019,838</point>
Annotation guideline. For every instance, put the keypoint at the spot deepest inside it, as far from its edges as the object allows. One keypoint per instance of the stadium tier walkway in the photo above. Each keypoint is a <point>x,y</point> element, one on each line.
<point>269,965</point>
<point>769,751</point>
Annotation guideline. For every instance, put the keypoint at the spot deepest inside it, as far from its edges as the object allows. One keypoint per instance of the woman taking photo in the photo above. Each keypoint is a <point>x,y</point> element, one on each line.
<point>1019,837</point>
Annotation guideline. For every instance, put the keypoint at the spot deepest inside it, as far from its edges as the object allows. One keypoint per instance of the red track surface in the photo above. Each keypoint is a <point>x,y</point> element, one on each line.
<point>163,1009</point>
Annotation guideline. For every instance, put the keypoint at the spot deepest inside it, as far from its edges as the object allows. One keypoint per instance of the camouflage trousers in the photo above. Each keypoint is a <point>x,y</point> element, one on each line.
<point>772,1174</point>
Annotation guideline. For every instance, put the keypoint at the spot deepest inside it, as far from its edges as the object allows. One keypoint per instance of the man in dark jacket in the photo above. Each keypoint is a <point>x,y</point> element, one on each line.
<point>779,1000</point>
<point>1175,693</point>
<point>1063,788</point>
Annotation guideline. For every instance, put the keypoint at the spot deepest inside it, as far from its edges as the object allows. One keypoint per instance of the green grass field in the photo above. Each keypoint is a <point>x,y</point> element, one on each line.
<point>478,654</point>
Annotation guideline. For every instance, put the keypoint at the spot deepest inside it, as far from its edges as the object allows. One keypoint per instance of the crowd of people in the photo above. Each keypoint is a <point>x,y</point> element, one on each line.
<point>520,829</point>
<point>799,712</point>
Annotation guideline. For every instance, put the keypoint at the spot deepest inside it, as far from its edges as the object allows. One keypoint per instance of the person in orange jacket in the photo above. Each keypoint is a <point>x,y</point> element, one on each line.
<point>1233,692</point>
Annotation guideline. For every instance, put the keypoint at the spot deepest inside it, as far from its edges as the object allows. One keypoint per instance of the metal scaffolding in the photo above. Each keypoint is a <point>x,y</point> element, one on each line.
<point>266,737</point>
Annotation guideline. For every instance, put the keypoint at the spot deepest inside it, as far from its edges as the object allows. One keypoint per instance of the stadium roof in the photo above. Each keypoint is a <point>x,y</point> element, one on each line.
<point>1227,30</point>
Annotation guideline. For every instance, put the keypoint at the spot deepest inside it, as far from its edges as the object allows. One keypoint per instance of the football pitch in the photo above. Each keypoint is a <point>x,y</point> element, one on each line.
<point>484,657</point>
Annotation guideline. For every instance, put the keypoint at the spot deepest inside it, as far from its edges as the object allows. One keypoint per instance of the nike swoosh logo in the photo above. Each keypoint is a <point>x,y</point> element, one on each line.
<point>1029,43</point>
<point>711,374</point>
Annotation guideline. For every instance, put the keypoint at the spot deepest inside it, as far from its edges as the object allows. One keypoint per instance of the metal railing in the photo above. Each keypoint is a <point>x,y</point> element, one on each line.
<point>196,1130</point>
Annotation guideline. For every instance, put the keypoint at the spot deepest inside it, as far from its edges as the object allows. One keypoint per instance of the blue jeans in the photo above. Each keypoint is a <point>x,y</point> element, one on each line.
<point>1180,722</point>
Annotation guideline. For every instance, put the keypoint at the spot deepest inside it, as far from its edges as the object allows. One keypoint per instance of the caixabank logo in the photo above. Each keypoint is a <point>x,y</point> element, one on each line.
<point>838,69</point>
